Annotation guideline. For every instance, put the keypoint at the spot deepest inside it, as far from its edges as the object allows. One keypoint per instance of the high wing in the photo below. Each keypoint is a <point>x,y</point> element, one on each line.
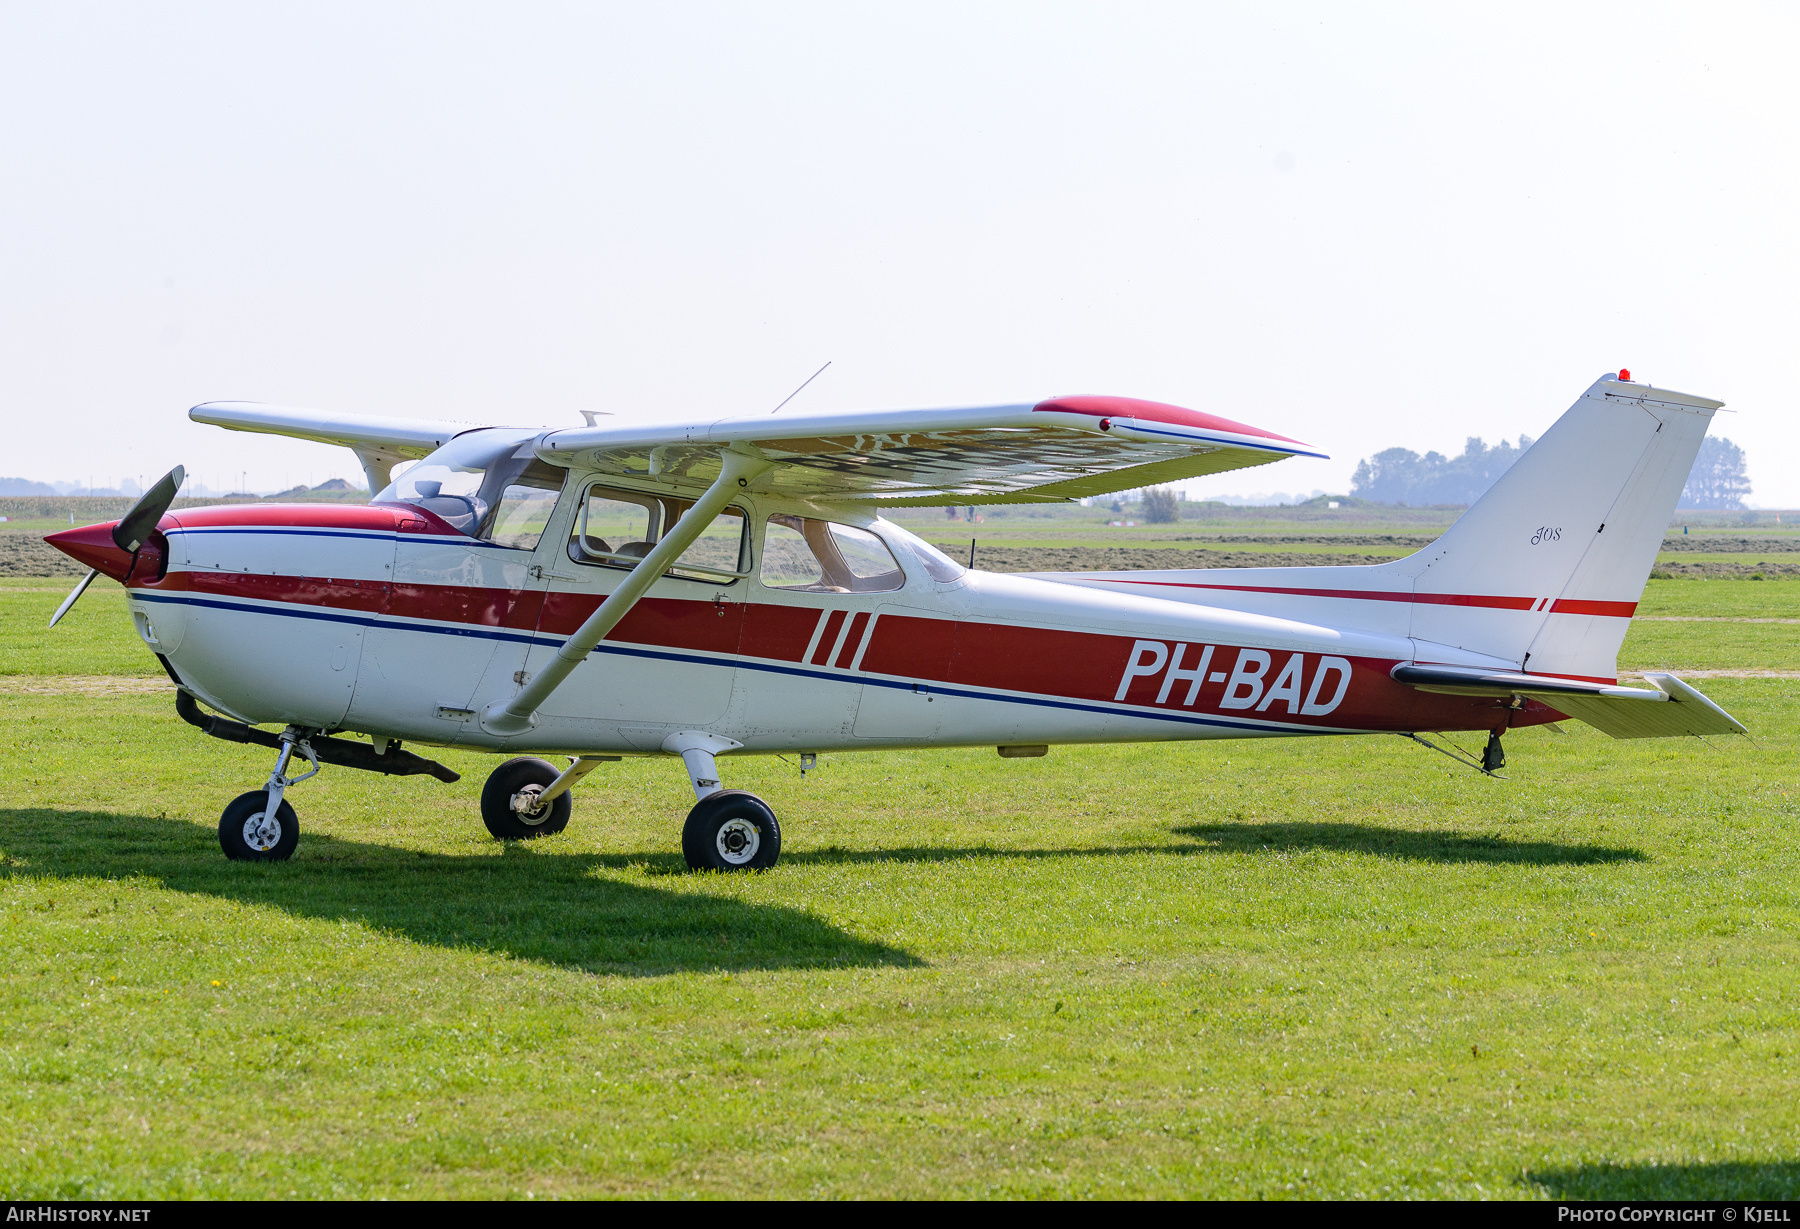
<point>1049,451</point>
<point>379,443</point>
<point>1036,452</point>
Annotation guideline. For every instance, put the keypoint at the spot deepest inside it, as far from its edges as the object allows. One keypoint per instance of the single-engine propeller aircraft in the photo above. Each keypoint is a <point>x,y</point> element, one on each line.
<point>729,587</point>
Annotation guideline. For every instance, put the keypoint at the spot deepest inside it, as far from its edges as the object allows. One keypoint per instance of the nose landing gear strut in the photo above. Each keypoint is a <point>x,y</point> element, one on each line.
<point>261,826</point>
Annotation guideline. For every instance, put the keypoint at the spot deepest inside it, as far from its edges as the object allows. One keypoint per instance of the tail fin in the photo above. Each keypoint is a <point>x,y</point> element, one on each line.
<point>1567,536</point>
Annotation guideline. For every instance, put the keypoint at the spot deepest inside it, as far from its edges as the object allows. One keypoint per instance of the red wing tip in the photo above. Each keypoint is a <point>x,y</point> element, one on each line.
<point>1100,406</point>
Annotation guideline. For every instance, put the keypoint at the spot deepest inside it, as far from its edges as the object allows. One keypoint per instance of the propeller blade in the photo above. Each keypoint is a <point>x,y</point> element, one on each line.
<point>75,593</point>
<point>135,525</point>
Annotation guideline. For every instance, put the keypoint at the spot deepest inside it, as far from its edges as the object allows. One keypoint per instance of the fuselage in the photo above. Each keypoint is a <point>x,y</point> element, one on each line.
<point>388,621</point>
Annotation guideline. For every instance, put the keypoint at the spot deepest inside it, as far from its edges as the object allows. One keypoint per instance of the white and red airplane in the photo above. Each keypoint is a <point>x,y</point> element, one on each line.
<point>729,587</point>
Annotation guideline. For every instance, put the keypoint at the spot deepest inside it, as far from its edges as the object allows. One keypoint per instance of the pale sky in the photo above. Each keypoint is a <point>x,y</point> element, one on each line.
<point>1359,226</point>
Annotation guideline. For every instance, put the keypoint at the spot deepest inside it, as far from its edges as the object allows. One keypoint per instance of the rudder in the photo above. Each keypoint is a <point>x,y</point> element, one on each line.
<point>1547,567</point>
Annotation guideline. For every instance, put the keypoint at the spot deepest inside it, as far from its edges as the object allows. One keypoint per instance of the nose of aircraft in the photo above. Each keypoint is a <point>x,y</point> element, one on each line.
<point>92,546</point>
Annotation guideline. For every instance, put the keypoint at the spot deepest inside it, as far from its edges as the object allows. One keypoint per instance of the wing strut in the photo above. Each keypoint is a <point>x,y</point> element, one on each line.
<point>505,718</point>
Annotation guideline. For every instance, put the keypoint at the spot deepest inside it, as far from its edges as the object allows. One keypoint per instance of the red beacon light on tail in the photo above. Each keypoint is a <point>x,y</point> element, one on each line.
<point>1625,373</point>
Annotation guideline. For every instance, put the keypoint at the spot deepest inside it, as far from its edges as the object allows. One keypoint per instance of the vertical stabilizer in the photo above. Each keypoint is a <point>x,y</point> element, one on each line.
<point>1548,566</point>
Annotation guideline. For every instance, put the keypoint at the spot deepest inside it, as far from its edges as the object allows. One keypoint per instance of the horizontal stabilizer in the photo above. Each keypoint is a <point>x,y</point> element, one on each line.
<point>1674,708</point>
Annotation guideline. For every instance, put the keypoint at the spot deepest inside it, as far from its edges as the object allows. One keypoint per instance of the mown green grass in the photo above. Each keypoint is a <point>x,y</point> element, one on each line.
<point>1288,969</point>
<point>95,637</point>
<point>1720,599</point>
<point>1710,646</point>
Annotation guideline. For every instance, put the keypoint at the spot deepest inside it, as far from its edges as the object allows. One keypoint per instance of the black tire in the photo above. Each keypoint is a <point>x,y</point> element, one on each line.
<point>507,780</point>
<point>732,830</point>
<point>242,846</point>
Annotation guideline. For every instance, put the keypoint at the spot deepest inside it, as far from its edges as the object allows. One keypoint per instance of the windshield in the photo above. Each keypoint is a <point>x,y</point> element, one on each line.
<point>937,564</point>
<point>466,481</point>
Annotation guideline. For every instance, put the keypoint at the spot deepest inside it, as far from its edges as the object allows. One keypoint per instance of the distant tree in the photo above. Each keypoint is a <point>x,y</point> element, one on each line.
<point>1401,476</point>
<point>1717,479</point>
<point>1160,506</point>
<point>24,486</point>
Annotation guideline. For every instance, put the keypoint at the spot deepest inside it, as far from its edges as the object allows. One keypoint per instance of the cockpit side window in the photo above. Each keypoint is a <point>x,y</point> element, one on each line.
<point>815,556</point>
<point>615,528</point>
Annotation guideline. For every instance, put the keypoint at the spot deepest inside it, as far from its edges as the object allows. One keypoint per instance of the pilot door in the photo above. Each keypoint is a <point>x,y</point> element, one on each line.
<point>463,609</point>
<point>671,660</point>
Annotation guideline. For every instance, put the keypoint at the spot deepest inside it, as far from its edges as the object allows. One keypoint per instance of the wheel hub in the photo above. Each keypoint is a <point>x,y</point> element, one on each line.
<point>525,805</point>
<point>738,840</point>
<point>262,832</point>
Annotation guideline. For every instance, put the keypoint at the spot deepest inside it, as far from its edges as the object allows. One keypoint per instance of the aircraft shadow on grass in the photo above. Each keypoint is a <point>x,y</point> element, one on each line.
<point>1404,844</point>
<point>528,903</point>
<point>1727,1180</point>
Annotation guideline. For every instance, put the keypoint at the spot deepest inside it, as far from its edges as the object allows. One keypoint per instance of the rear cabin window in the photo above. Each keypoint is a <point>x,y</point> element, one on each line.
<point>815,556</point>
<point>616,528</point>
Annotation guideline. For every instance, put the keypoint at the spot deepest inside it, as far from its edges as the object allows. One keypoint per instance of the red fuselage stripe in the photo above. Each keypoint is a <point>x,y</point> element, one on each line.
<point>828,638</point>
<point>852,639</point>
<point>1618,610</point>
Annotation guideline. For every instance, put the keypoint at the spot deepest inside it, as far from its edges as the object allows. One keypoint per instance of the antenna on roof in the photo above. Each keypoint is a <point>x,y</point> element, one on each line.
<point>809,379</point>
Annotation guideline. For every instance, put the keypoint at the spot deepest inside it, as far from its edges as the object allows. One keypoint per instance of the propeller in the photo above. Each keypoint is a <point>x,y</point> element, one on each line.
<point>135,525</point>
<point>129,534</point>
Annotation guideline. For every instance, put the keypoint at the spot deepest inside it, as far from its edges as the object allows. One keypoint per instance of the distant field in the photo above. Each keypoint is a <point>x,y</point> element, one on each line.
<point>1282,969</point>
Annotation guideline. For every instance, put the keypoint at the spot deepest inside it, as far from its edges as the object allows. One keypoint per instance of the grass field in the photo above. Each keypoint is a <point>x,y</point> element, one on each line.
<point>1280,969</point>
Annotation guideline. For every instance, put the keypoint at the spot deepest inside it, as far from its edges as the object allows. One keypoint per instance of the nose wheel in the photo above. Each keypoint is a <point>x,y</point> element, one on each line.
<point>261,826</point>
<point>731,830</point>
<point>248,833</point>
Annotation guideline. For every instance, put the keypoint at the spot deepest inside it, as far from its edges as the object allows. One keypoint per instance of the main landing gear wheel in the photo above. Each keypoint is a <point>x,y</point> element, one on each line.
<point>731,830</point>
<point>519,781</point>
<point>247,834</point>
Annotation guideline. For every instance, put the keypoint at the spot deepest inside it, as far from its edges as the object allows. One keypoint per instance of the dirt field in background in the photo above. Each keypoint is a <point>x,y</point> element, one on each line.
<point>1731,546</point>
<point>22,555</point>
<point>1125,558</point>
<point>1718,571</point>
